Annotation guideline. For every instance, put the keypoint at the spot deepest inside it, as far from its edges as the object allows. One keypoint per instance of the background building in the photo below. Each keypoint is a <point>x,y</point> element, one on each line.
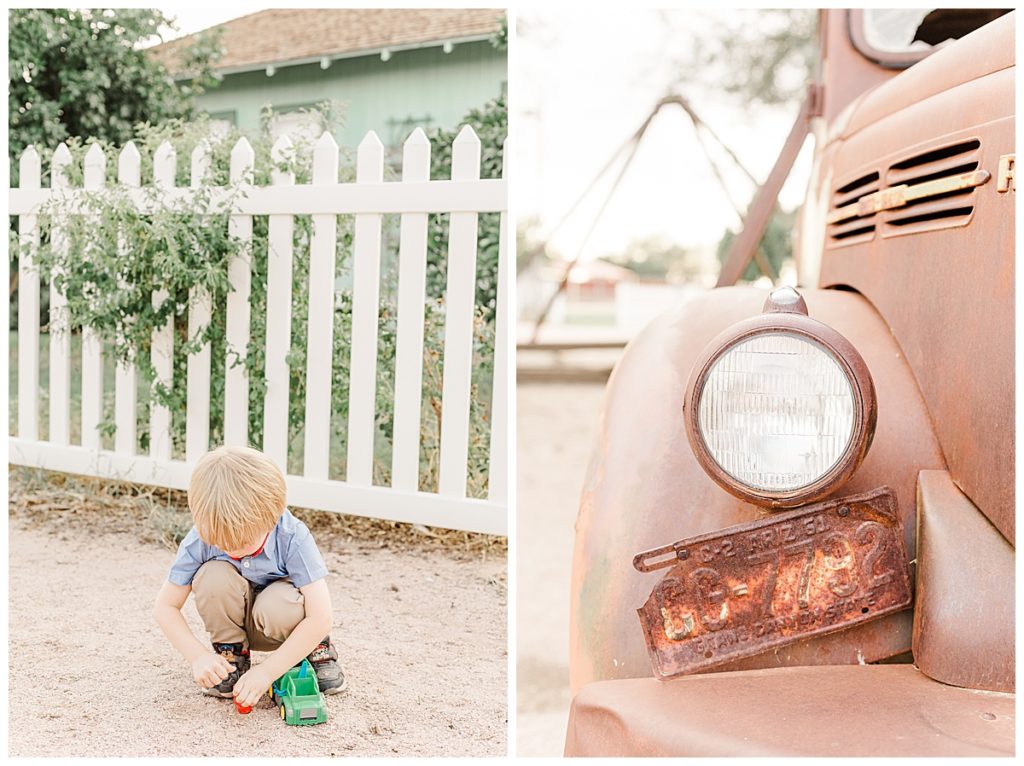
<point>392,69</point>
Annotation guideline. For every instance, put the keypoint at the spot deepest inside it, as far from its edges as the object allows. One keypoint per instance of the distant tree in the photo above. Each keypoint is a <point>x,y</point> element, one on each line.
<point>660,258</point>
<point>499,40</point>
<point>766,56</point>
<point>530,245</point>
<point>776,245</point>
<point>81,73</point>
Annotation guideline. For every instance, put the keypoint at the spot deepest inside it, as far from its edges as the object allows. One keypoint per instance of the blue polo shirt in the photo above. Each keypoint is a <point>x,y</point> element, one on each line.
<point>290,551</point>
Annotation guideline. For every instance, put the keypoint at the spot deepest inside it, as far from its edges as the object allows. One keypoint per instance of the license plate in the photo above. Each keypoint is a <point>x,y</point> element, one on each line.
<point>747,589</point>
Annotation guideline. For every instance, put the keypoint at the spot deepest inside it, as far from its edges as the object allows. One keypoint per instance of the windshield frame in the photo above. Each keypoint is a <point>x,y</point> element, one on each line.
<point>885,59</point>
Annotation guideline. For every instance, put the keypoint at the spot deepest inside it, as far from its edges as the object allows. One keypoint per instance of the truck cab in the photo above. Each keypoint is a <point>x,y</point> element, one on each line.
<point>905,246</point>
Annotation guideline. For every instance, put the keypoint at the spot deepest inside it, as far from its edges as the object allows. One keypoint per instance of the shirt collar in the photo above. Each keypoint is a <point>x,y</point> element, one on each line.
<point>269,546</point>
<point>255,553</point>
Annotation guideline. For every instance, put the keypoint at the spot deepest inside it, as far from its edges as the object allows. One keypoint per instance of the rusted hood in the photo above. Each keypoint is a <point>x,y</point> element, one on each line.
<point>982,52</point>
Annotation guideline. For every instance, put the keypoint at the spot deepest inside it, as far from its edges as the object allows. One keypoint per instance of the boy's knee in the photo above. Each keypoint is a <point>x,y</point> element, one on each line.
<point>218,576</point>
<point>278,609</point>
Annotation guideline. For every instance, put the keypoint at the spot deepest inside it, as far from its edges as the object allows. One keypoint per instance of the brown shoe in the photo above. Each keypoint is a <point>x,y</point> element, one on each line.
<point>238,657</point>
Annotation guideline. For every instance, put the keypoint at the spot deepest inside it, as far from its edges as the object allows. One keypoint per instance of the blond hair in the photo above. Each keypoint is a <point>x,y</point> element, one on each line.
<point>236,494</point>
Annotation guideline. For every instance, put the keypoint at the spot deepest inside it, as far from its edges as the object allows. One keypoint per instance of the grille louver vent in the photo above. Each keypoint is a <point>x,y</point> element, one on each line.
<point>930,190</point>
<point>942,208</point>
<point>844,201</point>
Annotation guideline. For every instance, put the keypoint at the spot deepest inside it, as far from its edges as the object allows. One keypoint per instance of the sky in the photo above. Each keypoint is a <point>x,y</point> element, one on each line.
<point>586,82</point>
<point>189,20</point>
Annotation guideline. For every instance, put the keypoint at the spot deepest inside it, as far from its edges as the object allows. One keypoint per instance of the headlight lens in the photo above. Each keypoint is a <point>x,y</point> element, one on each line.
<point>781,408</point>
<point>776,412</point>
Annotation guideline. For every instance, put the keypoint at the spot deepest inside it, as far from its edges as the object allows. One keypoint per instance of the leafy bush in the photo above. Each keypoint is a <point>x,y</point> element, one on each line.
<point>81,72</point>
<point>109,289</point>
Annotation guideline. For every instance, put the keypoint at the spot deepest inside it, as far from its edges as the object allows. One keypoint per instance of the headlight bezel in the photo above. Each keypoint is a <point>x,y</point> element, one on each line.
<point>786,316</point>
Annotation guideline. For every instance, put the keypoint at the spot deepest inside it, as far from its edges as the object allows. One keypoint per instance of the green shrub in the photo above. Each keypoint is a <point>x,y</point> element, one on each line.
<point>176,249</point>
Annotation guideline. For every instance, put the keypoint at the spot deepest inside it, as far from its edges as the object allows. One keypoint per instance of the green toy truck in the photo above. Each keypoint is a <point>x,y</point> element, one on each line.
<point>298,697</point>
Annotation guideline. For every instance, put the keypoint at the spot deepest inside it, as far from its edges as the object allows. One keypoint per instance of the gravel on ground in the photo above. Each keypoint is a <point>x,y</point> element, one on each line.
<point>420,629</point>
<point>557,424</point>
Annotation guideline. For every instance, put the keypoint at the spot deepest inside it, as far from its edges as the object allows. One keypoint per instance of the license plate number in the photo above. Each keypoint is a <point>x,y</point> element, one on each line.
<point>749,588</point>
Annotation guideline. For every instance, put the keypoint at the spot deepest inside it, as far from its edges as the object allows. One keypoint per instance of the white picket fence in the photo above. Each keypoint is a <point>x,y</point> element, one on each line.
<point>368,198</point>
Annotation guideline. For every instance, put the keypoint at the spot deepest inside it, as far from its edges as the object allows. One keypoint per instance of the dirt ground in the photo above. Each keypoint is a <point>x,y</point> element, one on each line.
<point>421,634</point>
<point>557,423</point>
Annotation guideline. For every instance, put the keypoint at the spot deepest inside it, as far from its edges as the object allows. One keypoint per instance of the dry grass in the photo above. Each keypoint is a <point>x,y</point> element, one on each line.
<point>161,516</point>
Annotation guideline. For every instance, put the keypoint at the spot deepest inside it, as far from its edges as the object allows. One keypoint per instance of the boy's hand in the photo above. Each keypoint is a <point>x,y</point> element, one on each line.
<point>250,686</point>
<point>210,669</point>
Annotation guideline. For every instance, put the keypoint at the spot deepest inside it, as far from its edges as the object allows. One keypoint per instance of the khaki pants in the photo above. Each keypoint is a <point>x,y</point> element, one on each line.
<point>233,614</point>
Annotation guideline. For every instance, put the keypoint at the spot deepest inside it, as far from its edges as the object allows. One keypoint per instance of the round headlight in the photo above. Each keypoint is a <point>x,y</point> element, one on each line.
<point>780,410</point>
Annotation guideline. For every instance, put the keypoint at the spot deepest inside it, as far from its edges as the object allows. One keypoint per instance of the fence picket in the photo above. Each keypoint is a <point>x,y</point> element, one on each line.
<point>92,349</point>
<point>200,311</point>
<point>497,472</point>
<point>279,316</point>
<point>129,166</point>
<point>59,331</point>
<point>320,337</point>
<point>458,325</point>
<point>362,404</point>
<point>236,378</point>
<point>29,173</point>
<point>415,197</point>
<point>412,271</point>
<point>162,351</point>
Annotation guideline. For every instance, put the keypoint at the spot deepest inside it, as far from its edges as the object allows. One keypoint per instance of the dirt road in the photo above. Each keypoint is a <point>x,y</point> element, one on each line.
<point>557,423</point>
<point>422,638</point>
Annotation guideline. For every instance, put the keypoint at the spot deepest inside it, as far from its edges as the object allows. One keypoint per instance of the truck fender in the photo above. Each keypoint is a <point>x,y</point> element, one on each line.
<point>644,487</point>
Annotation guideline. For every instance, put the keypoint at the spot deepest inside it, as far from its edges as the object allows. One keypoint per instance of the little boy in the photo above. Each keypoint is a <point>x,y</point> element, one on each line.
<point>258,580</point>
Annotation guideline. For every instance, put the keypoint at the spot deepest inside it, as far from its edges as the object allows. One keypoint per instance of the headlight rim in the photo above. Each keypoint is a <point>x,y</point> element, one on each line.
<point>852,365</point>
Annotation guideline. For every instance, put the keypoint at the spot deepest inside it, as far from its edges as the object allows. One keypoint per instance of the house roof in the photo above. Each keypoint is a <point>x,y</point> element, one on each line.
<point>293,35</point>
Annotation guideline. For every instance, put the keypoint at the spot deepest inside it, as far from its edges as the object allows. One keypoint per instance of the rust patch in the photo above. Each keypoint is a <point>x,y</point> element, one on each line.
<point>749,588</point>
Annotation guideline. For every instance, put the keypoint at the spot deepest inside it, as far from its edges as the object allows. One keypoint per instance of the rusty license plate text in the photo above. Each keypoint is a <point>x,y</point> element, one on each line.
<point>755,586</point>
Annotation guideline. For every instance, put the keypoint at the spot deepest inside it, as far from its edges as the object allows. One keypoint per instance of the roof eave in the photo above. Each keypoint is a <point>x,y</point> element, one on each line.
<point>242,68</point>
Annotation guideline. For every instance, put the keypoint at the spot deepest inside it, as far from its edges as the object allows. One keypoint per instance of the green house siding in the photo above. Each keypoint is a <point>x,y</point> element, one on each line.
<point>423,86</point>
